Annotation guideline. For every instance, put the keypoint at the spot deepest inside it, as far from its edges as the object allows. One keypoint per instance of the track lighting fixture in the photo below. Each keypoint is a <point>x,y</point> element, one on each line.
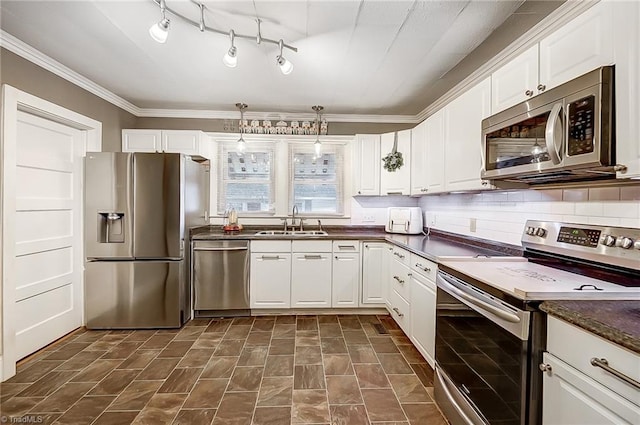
<point>241,145</point>
<point>160,31</point>
<point>285,66</point>
<point>317,146</point>
<point>230,59</point>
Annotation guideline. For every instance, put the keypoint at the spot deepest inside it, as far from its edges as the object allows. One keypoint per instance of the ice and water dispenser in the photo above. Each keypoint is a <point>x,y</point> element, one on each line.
<point>111,227</point>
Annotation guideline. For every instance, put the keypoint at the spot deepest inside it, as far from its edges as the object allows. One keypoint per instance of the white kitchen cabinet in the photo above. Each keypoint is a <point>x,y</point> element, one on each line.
<point>575,391</point>
<point>367,165</point>
<point>463,137</point>
<point>399,301</point>
<point>435,152</point>
<point>423,315</point>
<point>419,160</point>
<point>270,280</point>
<point>188,142</point>
<point>516,81</point>
<point>345,280</point>
<point>396,182</point>
<point>583,44</point>
<point>375,273</point>
<point>311,280</point>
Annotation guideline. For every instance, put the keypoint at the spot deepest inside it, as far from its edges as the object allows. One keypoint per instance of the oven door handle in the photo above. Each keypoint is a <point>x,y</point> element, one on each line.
<point>505,315</point>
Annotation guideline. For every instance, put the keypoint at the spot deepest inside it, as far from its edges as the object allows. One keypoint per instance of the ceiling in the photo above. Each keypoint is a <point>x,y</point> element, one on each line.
<point>354,56</point>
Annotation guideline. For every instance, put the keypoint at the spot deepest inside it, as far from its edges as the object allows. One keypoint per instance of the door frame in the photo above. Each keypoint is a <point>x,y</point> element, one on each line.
<point>14,100</point>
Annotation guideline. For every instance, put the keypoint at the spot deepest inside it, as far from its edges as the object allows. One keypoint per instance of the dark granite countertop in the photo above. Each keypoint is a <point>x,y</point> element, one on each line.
<point>616,321</point>
<point>436,247</point>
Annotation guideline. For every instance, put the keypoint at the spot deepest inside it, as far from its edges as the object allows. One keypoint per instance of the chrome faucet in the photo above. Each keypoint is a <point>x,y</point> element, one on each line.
<point>293,217</point>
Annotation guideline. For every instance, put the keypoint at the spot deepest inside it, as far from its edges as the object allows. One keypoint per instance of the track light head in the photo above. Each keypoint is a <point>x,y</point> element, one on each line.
<point>160,31</point>
<point>241,145</point>
<point>285,66</point>
<point>230,59</point>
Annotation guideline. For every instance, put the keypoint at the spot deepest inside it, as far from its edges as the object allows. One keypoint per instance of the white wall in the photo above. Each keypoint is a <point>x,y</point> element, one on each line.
<point>372,210</point>
<point>500,216</point>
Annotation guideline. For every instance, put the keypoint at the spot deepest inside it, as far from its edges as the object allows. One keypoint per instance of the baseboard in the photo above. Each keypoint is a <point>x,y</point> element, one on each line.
<point>316,311</point>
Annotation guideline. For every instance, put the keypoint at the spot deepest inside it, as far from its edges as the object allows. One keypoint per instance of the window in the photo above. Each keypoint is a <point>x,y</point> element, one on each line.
<point>316,182</point>
<point>246,179</point>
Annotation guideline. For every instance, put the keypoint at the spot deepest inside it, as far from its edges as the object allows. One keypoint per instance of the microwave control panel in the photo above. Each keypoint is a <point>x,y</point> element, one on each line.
<point>581,126</point>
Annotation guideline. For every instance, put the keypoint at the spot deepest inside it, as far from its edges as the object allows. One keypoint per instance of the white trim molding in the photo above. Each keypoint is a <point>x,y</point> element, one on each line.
<point>556,19</point>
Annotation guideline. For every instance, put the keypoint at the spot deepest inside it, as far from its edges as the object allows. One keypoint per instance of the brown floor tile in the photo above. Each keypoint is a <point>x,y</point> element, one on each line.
<point>86,410</point>
<point>306,323</point>
<point>136,395</point>
<point>308,377</point>
<point>207,340</point>
<point>371,376</point>
<point>337,364</point>
<point>246,378</point>
<point>47,384</point>
<point>237,332</point>
<point>388,322</point>
<point>263,325</point>
<point>383,344</point>
<point>81,360</point>
<point>155,416</point>
<point>96,371</point>
<point>308,355</point>
<point>343,390</point>
<point>307,341</point>
<point>219,325</point>
<point>327,318</point>
<point>122,350</point>
<point>330,330</point>
<point>310,407</point>
<point>419,414</point>
<point>17,406</point>
<point>115,382</point>
<point>355,337</point>
<point>243,321</point>
<point>382,405</point>
<point>116,418</point>
<point>201,321</point>
<point>284,330</point>
<point>167,401</point>
<point>349,323</point>
<point>9,390</point>
<point>219,367</point>
<point>282,346</point>
<point>411,354</point>
<point>196,357</point>
<point>368,318</point>
<point>253,356</point>
<point>158,369</point>
<point>176,349</point>
<point>189,333</point>
<point>195,417</point>
<point>181,380</point>
<point>67,351</point>
<point>286,320</point>
<point>63,398</point>
<point>394,364</point>
<point>349,415</point>
<point>333,346</point>
<point>229,347</point>
<point>258,339</point>
<point>142,335</point>
<point>275,391</point>
<point>424,372</point>
<point>35,371</point>
<point>401,340</point>
<point>279,366</point>
<point>390,423</point>
<point>362,354</point>
<point>409,389</point>
<point>236,409</point>
<point>156,341</point>
<point>207,393</point>
<point>139,360</point>
<point>272,416</point>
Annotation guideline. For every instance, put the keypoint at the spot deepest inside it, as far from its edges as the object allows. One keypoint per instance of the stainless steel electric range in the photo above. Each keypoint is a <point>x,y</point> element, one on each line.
<point>490,334</point>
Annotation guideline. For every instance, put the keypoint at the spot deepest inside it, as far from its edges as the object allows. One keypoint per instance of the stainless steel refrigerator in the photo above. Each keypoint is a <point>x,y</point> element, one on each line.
<point>138,210</point>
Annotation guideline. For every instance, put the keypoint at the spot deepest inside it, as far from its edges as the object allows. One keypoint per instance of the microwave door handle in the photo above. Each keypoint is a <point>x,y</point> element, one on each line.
<point>550,133</point>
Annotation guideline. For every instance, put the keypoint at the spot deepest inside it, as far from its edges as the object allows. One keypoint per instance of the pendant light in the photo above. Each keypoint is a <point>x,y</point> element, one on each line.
<point>285,66</point>
<point>241,145</point>
<point>160,30</point>
<point>230,59</point>
<point>317,146</point>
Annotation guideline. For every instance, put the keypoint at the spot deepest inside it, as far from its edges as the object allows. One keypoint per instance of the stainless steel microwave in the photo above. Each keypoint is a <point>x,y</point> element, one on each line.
<point>564,134</point>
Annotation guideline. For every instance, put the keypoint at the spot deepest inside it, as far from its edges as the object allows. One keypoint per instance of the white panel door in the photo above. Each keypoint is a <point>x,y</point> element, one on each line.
<point>435,152</point>
<point>423,316</point>
<point>345,280</point>
<point>397,182</point>
<point>419,159</point>
<point>141,141</point>
<point>516,81</point>
<point>311,280</point>
<point>375,273</point>
<point>48,232</point>
<point>367,165</point>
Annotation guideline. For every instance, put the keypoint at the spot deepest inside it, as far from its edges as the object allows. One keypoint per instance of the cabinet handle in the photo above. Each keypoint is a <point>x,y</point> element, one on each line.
<point>544,367</point>
<point>400,281</point>
<point>359,193</point>
<point>529,93</point>
<point>426,269</point>
<point>270,257</point>
<point>484,182</point>
<point>351,247</point>
<point>312,257</point>
<point>394,193</point>
<point>424,189</point>
<point>343,258</point>
<point>542,87</point>
<point>398,312</point>
<point>604,364</point>
<point>398,254</point>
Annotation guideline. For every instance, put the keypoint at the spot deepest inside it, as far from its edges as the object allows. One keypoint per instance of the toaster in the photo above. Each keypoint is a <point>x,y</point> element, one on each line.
<point>407,220</point>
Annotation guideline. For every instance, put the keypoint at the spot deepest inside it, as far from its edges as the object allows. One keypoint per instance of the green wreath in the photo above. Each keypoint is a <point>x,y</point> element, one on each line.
<point>393,160</point>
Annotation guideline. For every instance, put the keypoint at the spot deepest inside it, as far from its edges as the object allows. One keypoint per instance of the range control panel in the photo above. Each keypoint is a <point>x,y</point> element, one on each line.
<point>605,244</point>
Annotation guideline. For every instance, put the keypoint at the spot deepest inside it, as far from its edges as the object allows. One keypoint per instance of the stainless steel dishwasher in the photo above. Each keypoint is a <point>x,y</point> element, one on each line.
<point>220,277</point>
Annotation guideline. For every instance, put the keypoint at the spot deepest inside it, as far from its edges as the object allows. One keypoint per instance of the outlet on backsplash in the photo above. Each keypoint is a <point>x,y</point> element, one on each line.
<point>472,225</point>
<point>368,219</point>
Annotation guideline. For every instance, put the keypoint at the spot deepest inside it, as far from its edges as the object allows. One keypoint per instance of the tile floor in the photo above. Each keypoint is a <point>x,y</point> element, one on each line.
<point>275,370</point>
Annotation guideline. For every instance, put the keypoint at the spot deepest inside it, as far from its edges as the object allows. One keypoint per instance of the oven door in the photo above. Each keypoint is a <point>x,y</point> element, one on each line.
<point>482,354</point>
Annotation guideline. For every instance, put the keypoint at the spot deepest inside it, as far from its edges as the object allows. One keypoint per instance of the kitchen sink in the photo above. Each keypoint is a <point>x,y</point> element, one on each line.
<point>292,233</point>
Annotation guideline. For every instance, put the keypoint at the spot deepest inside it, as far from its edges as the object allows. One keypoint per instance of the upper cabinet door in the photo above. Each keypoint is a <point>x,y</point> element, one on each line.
<point>516,81</point>
<point>435,152</point>
<point>181,141</point>
<point>582,45</point>
<point>419,182</point>
<point>141,141</point>
<point>463,137</point>
<point>396,182</point>
<point>367,165</point>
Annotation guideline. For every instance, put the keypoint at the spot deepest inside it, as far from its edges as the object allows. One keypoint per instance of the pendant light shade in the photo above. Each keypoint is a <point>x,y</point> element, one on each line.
<point>230,59</point>
<point>160,31</point>
<point>285,66</point>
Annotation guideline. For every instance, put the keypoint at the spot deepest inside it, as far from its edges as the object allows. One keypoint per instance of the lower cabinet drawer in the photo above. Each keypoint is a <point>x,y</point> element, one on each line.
<point>400,279</point>
<point>400,311</point>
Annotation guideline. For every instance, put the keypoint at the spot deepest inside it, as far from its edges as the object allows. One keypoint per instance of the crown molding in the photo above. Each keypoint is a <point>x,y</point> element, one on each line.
<point>31,54</point>
<point>556,19</point>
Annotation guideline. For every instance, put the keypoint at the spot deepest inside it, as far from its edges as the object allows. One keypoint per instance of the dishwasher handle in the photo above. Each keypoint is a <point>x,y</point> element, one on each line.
<point>223,248</point>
